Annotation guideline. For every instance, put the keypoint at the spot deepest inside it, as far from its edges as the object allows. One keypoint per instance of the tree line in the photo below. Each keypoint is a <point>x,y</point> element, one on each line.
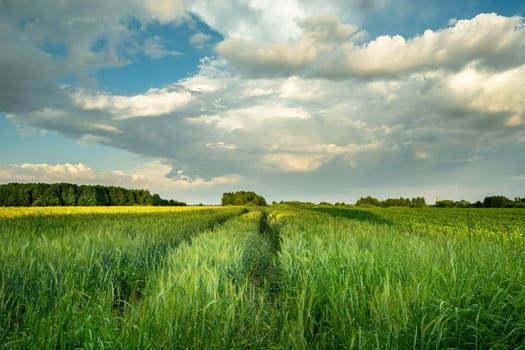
<point>66,194</point>
<point>418,202</point>
<point>488,202</point>
<point>242,198</point>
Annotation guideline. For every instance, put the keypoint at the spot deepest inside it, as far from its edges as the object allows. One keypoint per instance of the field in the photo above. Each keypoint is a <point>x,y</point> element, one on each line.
<point>273,277</point>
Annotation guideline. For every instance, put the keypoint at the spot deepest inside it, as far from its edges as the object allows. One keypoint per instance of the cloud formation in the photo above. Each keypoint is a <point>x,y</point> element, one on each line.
<point>150,175</point>
<point>155,102</point>
<point>298,95</point>
<point>328,48</point>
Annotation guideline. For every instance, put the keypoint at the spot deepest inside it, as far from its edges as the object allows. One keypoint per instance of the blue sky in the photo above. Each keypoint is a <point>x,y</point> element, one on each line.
<point>304,100</point>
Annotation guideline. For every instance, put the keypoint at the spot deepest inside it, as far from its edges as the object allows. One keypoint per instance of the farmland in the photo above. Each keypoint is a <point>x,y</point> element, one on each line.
<point>272,277</point>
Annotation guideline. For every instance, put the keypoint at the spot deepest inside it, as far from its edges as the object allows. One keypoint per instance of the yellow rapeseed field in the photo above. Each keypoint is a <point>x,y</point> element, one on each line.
<point>11,212</point>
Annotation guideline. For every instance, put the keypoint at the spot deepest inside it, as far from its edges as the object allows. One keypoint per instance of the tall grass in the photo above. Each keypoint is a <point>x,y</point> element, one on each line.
<point>356,284</point>
<point>66,280</point>
<point>284,279</point>
<point>204,297</point>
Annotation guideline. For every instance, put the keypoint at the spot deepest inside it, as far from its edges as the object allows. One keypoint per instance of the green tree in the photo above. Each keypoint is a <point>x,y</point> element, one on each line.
<point>243,198</point>
<point>495,202</point>
<point>87,196</point>
<point>368,201</point>
<point>70,195</point>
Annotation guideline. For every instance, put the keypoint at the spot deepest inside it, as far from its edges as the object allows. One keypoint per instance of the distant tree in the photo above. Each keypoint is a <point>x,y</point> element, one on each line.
<point>368,201</point>
<point>242,198</point>
<point>39,194</point>
<point>102,195</point>
<point>519,202</point>
<point>87,196</point>
<point>70,195</point>
<point>463,204</point>
<point>445,203</point>
<point>176,203</point>
<point>495,202</point>
<point>52,196</point>
<point>418,202</point>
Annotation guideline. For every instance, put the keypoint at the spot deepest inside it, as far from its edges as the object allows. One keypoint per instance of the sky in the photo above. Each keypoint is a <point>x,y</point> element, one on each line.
<point>311,100</point>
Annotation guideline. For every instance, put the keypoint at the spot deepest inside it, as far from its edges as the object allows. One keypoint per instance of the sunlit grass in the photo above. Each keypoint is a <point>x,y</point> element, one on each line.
<point>67,280</point>
<point>357,284</point>
<point>287,279</point>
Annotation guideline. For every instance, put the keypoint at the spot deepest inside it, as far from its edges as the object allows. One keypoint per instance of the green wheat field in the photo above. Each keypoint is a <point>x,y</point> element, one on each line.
<point>274,277</point>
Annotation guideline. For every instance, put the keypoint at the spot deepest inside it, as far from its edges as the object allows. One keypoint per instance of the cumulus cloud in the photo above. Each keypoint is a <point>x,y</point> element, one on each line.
<point>320,35</point>
<point>289,162</point>
<point>154,102</point>
<point>152,175</point>
<point>328,48</point>
<point>42,42</point>
<point>155,49</point>
<point>199,39</point>
<point>451,48</point>
<point>293,99</point>
<point>250,117</point>
<point>307,158</point>
<point>491,92</point>
<point>164,10</point>
<point>108,128</point>
<point>221,145</point>
<point>43,172</point>
<point>254,20</point>
<point>297,125</point>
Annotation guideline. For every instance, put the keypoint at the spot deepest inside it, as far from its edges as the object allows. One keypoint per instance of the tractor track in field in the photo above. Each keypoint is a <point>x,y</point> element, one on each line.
<point>260,258</point>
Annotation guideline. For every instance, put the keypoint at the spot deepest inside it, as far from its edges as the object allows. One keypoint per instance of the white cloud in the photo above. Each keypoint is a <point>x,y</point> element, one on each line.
<point>221,145</point>
<point>164,10</point>
<point>250,117</point>
<point>452,97</point>
<point>256,20</point>
<point>155,102</point>
<point>320,36</point>
<point>152,175</point>
<point>308,158</point>
<point>271,58</point>
<point>469,40</point>
<point>108,128</point>
<point>249,19</point>
<point>422,155</point>
<point>103,140</point>
<point>296,89</point>
<point>154,48</point>
<point>42,42</point>
<point>199,39</point>
<point>43,172</point>
<point>289,162</point>
<point>491,92</point>
<point>325,47</point>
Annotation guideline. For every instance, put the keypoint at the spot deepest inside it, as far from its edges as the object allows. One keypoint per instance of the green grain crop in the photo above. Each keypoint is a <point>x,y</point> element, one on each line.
<point>272,278</point>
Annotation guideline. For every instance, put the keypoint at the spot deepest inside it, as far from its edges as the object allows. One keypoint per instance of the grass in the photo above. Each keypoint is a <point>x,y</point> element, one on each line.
<point>68,278</point>
<point>278,278</point>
